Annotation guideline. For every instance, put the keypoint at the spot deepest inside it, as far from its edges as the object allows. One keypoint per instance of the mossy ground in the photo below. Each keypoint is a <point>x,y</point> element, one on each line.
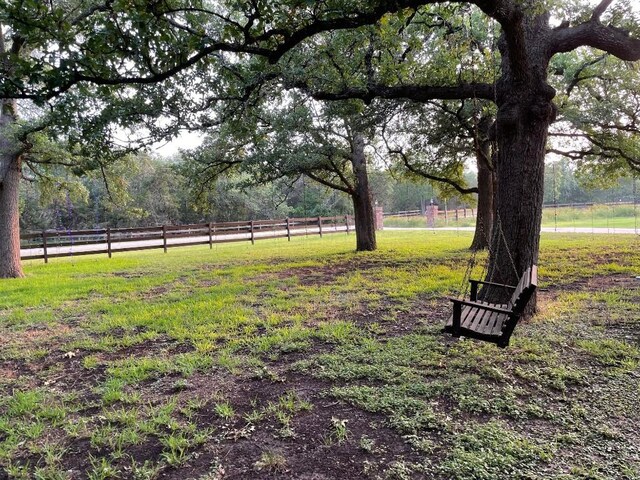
<point>307,360</point>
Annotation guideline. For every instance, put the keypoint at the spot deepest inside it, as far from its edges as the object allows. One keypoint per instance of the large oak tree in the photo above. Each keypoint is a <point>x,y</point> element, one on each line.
<point>530,35</point>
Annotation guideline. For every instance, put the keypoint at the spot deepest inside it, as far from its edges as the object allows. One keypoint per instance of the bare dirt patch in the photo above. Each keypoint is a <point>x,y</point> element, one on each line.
<point>310,449</point>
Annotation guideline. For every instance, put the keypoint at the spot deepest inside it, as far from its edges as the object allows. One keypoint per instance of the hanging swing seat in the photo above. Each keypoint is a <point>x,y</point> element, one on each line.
<point>492,322</point>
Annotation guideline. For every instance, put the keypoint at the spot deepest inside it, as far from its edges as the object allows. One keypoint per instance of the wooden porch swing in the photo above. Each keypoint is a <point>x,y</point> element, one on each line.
<point>492,322</point>
<point>486,321</point>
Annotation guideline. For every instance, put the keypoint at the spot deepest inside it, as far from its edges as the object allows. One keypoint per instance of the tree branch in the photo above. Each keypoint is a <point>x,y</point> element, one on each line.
<point>572,154</point>
<point>106,7</point>
<point>327,183</point>
<point>599,10</point>
<point>418,93</point>
<point>421,173</point>
<point>348,20</point>
<point>577,78</point>
<point>2,45</point>
<point>342,176</point>
<point>510,17</point>
<point>594,34</point>
<point>255,45</point>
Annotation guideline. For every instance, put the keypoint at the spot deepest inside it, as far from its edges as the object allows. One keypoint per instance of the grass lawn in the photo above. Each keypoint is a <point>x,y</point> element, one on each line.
<point>306,360</point>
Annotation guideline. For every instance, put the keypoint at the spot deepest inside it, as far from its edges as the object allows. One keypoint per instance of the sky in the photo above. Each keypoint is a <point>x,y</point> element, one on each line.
<point>185,141</point>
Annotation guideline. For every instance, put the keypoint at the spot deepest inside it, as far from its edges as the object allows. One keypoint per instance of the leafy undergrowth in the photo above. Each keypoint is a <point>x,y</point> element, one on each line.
<point>306,360</point>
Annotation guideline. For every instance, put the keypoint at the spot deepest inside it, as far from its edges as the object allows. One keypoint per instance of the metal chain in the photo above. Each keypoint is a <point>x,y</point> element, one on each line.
<point>464,286</point>
<point>635,202</point>
<point>513,264</point>
<point>493,253</point>
<point>483,234</point>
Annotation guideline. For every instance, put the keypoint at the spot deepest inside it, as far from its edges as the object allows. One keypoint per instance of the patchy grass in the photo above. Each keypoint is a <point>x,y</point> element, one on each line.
<point>307,360</point>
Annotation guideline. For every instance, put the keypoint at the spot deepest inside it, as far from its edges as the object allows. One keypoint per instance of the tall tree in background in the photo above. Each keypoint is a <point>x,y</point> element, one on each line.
<point>94,64</point>
<point>436,141</point>
<point>290,135</point>
<point>431,140</point>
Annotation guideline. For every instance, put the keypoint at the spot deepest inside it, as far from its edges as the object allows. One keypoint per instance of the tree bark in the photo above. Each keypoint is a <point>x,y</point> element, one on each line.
<point>486,187</point>
<point>361,196</point>
<point>525,112</point>
<point>520,176</point>
<point>10,175</point>
<point>486,208</point>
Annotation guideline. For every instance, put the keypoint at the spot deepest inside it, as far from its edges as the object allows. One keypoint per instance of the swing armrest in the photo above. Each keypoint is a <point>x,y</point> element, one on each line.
<point>474,287</point>
<point>482,306</point>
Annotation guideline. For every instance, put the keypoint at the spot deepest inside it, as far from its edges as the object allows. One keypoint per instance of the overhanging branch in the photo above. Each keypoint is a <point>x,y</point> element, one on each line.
<point>417,93</point>
<point>327,183</point>
<point>600,9</point>
<point>412,168</point>
<point>594,34</point>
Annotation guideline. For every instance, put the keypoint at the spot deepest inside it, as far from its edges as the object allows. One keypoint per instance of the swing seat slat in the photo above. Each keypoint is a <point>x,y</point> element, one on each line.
<point>492,322</point>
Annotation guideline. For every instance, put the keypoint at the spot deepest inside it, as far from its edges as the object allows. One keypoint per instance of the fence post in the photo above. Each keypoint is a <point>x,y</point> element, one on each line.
<point>252,235</point>
<point>288,230</point>
<point>164,238</point>
<point>379,217</point>
<point>210,236</point>
<point>109,241</point>
<point>346,222</point>
<point>456,214</point>
<point>44,246</point>
<point>320,225</point>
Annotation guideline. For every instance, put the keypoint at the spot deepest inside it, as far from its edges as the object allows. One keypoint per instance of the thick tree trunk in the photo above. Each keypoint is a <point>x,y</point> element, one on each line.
<point>520,176</point>
<point>486,187</point>
<point>525,112</point>
<point>10,175</point>
<point>364,215</point>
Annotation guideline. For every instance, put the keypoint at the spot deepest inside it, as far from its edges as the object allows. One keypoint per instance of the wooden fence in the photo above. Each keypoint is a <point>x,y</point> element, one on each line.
<point>470,212</point>
<point>457,213</point>
<point>55,243</point>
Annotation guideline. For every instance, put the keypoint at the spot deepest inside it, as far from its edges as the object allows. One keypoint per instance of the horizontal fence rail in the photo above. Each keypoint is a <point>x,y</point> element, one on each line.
<point>471,212</point>
<point>587,205</point>
<point>65,243</point>
<point>618,217</point>
<point>460,212</point>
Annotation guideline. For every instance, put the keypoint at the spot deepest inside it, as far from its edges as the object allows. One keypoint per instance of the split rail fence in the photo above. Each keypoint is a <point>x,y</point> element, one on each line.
<point>444,214</point>
<point>55,243</point>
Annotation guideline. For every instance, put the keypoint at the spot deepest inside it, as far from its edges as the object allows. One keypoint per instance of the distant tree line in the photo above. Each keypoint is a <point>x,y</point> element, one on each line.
<point>153,191</point>
<point>564,183</point>
<point>158,192</point>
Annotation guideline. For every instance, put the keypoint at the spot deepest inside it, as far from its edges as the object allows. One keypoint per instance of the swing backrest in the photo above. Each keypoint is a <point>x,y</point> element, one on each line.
<point>526,286</point>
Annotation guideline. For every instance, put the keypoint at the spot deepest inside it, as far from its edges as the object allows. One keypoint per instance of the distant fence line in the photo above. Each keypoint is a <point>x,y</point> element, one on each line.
<point>56,243</point>
<point>457,213</point>
<point>470,212</point>
<point>586,205</point>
